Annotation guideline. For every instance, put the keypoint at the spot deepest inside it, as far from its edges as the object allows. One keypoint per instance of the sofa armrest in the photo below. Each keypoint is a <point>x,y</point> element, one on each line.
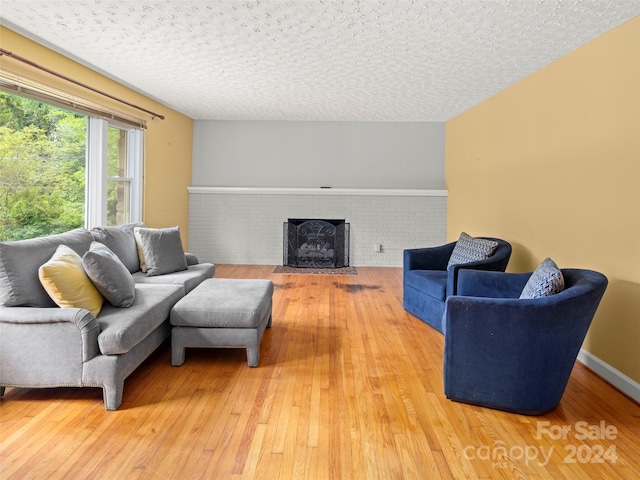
<point>87,326</point>
<point>191,259</point>
<point>428,258</point>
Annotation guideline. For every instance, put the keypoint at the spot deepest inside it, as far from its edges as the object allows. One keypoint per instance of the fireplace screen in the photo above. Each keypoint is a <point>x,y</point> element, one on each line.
<point>316,243</point>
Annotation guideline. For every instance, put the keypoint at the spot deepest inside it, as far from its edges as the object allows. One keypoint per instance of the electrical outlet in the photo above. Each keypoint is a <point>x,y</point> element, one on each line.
<point>377,248</point>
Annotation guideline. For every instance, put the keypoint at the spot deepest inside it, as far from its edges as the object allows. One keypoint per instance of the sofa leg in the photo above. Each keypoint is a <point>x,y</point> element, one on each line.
<point>177,354</point>
<point>269,322</point>
<point>253,356</point>
<point>177,346</point>
<point>112,396</point>
<point>2,391</point>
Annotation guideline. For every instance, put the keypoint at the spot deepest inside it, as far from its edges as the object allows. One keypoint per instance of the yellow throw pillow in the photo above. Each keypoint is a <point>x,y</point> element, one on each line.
<point>64,279</point>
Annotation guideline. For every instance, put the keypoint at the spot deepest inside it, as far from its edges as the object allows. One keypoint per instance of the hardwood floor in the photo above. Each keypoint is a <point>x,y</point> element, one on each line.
<point>349,387</point>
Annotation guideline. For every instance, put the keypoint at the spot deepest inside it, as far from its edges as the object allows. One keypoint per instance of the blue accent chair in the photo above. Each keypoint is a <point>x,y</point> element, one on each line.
<point>510,354</point>
<point>427,282</point>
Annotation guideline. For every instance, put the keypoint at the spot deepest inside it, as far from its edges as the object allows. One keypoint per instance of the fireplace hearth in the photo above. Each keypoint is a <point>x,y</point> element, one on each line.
<point>316,243</point>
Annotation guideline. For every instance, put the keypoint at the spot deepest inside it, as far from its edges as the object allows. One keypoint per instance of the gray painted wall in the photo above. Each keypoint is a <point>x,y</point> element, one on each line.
<point>385,155</point>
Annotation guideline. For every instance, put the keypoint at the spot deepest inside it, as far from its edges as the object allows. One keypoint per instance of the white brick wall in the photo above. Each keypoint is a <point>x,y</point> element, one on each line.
<point>244,226</point>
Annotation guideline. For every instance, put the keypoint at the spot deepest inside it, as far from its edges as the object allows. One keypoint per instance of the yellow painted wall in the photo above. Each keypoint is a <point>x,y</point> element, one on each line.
<point>552,164</point>
<point>168,142</point>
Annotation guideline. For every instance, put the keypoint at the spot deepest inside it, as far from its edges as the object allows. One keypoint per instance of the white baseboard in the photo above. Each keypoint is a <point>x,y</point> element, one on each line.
<point>615,377</point>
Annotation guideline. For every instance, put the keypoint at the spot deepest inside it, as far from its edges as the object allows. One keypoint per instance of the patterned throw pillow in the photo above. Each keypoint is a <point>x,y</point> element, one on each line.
<point>546,280</point>
<point>469,249</point>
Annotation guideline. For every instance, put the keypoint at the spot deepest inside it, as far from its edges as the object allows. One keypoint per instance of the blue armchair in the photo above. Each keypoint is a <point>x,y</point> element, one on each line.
<point>513,354</point>
<point>427,282</point>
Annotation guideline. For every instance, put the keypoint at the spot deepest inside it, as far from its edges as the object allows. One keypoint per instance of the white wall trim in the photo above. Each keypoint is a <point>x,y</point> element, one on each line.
<point>320,191</point>
<point>615,377</point>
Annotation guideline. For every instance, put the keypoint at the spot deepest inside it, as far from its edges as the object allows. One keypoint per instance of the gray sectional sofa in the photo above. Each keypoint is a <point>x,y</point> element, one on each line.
<point>43,345</point>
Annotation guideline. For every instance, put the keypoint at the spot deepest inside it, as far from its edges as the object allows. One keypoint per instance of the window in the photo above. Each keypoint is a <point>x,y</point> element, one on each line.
<point>60,170</point>
<point>118,177</point>
<point>124,175</point>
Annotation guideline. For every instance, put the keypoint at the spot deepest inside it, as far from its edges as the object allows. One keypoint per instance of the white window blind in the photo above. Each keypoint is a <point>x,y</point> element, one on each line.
<point>28,88</point>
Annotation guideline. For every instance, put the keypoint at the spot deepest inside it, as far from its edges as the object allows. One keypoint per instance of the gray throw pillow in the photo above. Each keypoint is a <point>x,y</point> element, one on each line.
<point>20,261</point>
<point>546,280</point>
<point>469,249</point>
<point>109,275</point>
<point>162,250</point>
<point>120,241</point>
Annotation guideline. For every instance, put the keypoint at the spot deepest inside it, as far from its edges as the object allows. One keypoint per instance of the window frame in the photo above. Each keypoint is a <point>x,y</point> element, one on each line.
<point>96,171</point>
<point>96,142</point>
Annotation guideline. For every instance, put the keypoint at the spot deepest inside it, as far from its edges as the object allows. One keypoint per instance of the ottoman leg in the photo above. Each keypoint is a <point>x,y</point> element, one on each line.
<point>177,352</point>
<point>253,356</point>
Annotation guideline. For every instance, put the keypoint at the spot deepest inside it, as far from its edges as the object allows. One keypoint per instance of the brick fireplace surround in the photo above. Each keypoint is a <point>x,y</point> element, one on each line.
<point>244,225</point>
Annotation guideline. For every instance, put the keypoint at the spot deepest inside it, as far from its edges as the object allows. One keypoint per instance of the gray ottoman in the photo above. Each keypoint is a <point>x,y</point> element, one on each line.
<point>222,312</point>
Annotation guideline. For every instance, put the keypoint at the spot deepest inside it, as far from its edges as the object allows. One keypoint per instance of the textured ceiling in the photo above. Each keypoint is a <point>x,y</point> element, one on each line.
<point>334,60</point>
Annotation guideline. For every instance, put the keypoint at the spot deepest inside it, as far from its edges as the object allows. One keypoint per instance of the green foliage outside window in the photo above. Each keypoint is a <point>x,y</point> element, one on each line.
<point>117,186</point>
<point>42,168</point>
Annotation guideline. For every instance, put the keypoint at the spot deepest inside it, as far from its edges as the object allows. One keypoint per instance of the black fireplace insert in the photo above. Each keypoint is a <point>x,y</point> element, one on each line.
<point>313,243</point>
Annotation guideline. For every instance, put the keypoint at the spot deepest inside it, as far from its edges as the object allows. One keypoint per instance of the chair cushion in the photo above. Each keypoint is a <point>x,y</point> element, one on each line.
<point>469,249</point>
<point>546,280</point>
<point>160,250</point>
<point>109,275</point>
<point>187,279</point>
<point>121,329</point>
<point>431,282</point>
<point>64,279</point>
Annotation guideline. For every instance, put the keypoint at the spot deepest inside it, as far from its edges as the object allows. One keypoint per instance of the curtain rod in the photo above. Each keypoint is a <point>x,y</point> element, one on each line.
<point>69,79</point>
